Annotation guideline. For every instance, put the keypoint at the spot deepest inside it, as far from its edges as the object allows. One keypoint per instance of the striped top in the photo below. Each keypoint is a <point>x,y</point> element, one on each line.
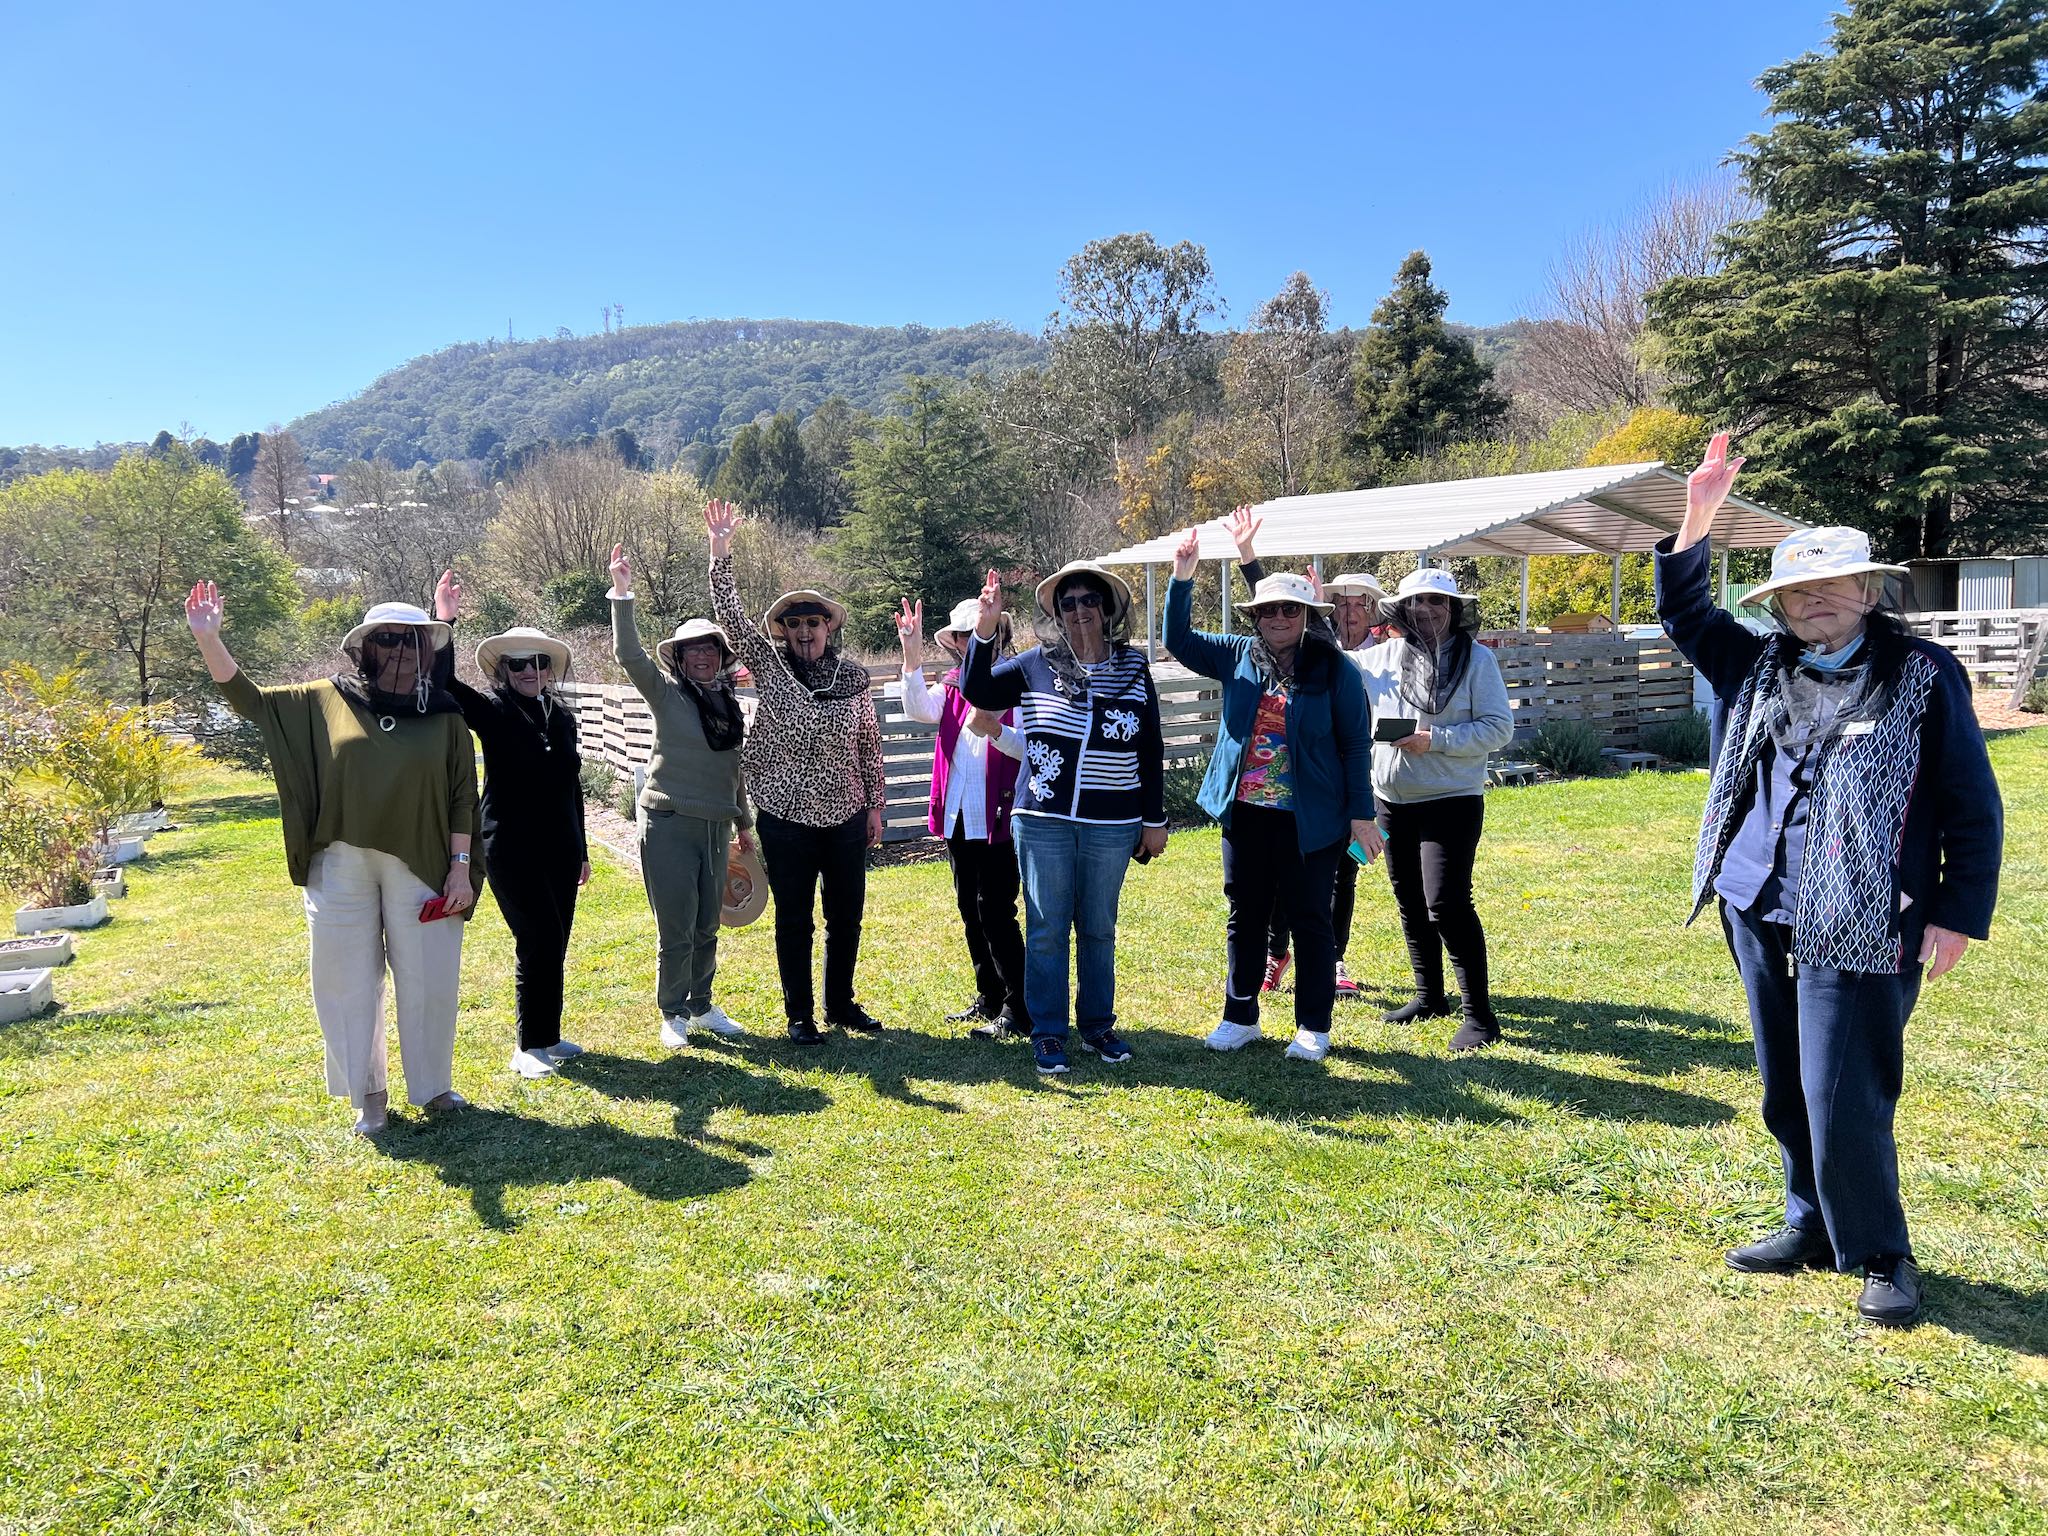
<point>1097,759</point>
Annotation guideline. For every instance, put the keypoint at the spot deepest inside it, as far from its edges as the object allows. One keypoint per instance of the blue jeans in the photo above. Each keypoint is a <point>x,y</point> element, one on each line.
<point>1073,873</point>
<point>1830,1046</point>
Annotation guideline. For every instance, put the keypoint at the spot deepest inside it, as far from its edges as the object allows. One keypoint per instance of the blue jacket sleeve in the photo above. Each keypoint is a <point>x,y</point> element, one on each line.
<point>1214,656</point>
<point>988,685</point>
<point>1352,722</point>
<point>1969,813</point>
<point>1706,634</point>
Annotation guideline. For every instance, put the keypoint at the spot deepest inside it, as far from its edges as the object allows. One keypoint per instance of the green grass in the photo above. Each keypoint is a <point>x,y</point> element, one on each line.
<point>906,1286</point>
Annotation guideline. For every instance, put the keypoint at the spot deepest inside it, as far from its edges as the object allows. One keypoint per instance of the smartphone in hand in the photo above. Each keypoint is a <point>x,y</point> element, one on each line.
<point>1391,728</point>
<point>434,910</point>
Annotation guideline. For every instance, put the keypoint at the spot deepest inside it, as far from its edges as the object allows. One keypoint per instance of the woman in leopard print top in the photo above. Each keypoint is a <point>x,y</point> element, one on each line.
<point>813,759</point>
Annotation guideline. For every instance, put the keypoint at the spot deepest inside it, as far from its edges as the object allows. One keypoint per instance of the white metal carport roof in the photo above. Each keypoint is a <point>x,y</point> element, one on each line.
<point>1612,509</point>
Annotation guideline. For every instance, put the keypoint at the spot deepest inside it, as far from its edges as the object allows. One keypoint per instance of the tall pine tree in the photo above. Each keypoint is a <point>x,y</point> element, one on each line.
<point>1417,383</point>
<point>1881,326</point>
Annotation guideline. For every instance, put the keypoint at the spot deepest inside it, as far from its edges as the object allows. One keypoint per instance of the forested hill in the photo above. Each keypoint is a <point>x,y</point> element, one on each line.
<point>696,380</point>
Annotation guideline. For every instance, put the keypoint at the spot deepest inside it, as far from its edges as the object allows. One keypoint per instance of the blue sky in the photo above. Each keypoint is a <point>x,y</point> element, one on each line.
<point>229,215</point>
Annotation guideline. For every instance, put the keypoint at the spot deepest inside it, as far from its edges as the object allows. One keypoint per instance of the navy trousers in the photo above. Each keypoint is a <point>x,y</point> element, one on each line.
<point>1830,1046</point>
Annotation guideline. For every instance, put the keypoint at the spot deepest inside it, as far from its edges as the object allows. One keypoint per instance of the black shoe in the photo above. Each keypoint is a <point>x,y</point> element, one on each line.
<point>1108,1047</point>
<point>1891,1291</point>
<point>973,1013</point>
<point>855,1018</point>
<point>1783,1251</point>
<point>1004,1026</point>
<point>804,1032</point>
<point>1419,1008</point>
<point>1475,1034</point>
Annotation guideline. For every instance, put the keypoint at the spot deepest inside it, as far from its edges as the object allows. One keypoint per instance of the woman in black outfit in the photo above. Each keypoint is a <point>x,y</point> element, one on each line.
<point>532,816</point>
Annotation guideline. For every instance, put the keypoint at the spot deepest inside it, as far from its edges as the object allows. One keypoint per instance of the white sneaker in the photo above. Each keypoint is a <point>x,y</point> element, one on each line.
<point>533,1063</point>
<point>714,1019</point>
<point>674,1031</point>
<point>1308,1046</point>
<point>1231,1037</point>
<point>564,1050</point>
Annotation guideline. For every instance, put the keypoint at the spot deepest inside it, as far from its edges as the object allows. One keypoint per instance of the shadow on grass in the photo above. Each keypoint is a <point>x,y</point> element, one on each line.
<point>220,808</point>
<point>488,1151</point>
<point>1997,1315</point>
<point>1650,1039</point>
<point>30,1036</point>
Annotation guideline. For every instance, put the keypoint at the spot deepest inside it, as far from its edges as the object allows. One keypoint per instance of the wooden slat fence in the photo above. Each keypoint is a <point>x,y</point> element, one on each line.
<point>1617,684</point>
<point>1994,646</point>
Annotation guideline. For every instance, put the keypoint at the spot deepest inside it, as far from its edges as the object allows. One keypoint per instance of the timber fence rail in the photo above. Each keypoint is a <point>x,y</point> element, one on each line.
<point>1617,685</point>
<point>1999,647</point>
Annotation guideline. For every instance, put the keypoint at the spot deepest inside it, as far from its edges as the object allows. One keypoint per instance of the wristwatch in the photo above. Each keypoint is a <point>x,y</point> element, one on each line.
<point>458,858</point>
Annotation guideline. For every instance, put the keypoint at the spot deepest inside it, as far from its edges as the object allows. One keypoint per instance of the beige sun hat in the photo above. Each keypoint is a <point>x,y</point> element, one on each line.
<point>1282,588</point>
<point>397,616</point>
<point>1818,554</point>
<point>966,618</point>
<point>522,640</point>
<point>693,629</point>
<point>1355,584</point>
<point>772,619</point>
<point>1119,589</point>
<point>746,887</point>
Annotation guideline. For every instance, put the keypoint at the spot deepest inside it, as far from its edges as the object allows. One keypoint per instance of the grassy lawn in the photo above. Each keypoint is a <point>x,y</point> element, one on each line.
<point>904,1285</point>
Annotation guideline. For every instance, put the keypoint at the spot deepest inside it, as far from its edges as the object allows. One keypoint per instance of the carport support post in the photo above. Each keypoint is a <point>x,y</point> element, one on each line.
<point>1614,595</point>
<point>1724,578</point>
<point>1223,591</point>
<point>1524,622</point>
<point>1151,611</point>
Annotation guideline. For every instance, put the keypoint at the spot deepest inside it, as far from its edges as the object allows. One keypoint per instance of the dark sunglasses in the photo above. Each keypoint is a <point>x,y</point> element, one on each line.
<point>523,663</point>
<point>388,638</point>
<point>807,621</point>
<point>1075,601</point>
<point>1429,599</point>
<point>1280,610</point>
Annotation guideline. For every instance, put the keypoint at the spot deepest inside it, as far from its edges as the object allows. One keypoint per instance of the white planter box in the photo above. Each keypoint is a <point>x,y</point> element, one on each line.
<point>42,950</point>
<point>87,914</point>
<point>110,882</point>
<point>121,850</point>
<point>142,823</point>
<point>24,994</point>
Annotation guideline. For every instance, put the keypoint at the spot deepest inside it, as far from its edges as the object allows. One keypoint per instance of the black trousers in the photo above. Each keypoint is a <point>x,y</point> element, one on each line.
<point>801,861</point>
<point>985,886</point>
<point>1264,869</point>
<point>1341,907</point>
<point>1430,849</point>
<point>1831,1048</point>
<point>538,898</point>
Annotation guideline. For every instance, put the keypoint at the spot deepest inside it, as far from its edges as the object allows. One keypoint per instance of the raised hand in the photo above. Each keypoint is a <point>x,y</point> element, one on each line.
<point>910,631</point>
<point>1705,489</point>
<point>721,520</point>
<point>204,611</point>
<point>447,597</point>
<point>1243,527</point>
<point>1187,554</point>
<point>984,723</point>
<point>989,607</point>
<point>621,568</point>
<point>1315,584</point>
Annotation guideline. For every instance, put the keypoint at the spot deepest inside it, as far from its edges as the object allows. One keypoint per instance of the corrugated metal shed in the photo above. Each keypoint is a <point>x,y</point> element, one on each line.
<point>1610,510</point>
<point>1983,584</point>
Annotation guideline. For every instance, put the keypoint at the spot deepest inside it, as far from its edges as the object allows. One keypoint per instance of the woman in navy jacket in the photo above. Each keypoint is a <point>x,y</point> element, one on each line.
<point>1852,835</point>
<point>1290,780</point>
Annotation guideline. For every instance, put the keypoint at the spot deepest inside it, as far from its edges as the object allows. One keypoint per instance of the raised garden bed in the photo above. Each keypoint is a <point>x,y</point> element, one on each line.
<point>37,951</point>
<point>109,883</point>
<point>24,994</point>
<point>87,914</point>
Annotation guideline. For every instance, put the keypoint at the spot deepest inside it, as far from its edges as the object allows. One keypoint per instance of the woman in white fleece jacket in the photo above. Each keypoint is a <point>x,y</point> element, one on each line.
<point>1431,789</point>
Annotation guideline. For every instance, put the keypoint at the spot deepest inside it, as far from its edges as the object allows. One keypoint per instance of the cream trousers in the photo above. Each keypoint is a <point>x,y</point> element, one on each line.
<point>362,914</point>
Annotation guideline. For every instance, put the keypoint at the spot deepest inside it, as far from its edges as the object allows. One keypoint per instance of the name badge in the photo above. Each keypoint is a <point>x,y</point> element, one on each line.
<point>1859,727</point>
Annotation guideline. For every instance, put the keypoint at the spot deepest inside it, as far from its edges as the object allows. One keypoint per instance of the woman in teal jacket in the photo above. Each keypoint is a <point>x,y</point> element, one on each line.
<point>1291,782</point>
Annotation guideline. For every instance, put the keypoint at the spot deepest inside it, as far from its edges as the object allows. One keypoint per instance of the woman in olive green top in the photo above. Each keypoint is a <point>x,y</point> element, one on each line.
<point>376,782</point>
<point>692,805</point>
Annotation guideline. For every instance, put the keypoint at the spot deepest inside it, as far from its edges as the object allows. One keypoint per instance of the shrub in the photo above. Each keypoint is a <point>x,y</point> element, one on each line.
<point>1183,791</point>
<point>1568,748</point>
<point>1683,740</point>
<point>577,598</point>
<point>104,760</point>
<point>599,782</point>
<point>495,613</point>
<point>43,849</point>
<point>2036,700</point>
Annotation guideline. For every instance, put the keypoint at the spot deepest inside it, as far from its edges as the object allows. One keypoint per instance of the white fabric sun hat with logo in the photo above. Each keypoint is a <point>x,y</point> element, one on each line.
<point>1282,588</point>
<point>1818,554</point>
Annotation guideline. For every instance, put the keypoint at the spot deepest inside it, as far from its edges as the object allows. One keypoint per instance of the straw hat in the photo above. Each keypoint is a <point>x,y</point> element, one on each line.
<point>772,620</point>
<point>1282,588</point>
<point>1119,589</point>
<point>1355,584</point>
<point>693,629</point>
<point>746,887</point>
<point>397,616</point>
<point>522,640</point>
<point>1818,554</point>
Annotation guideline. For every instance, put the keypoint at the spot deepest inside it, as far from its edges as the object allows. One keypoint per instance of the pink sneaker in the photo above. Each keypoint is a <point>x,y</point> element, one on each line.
<point>1276,967</point>
<point>1346,987</point>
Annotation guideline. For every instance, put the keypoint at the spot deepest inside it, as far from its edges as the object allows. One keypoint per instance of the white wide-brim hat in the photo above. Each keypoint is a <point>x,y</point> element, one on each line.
<point>1428,580</point>
<point>1282,588</point>
<point>966,618</point>
<point>1355,584</point>
<point>1818,554</point>
<point>1119,589</point>
<point>397,616</point>
<point>772,620</point>
<point>693,629</point>
<point>521,640</point>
